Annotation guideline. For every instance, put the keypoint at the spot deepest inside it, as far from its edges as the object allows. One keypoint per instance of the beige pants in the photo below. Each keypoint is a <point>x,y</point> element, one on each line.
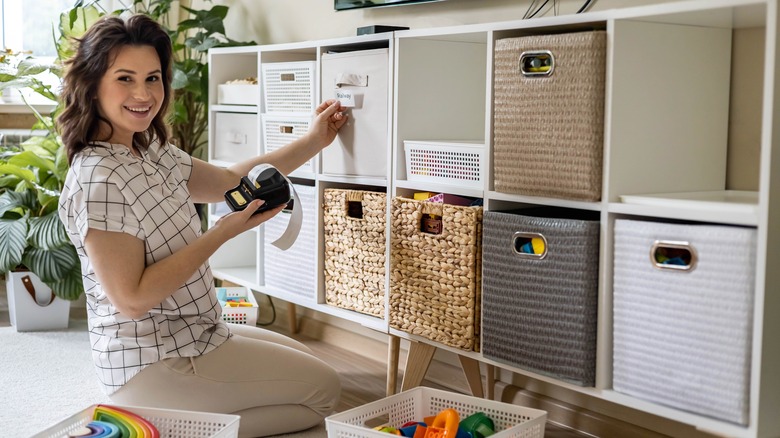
<point>273,382</point>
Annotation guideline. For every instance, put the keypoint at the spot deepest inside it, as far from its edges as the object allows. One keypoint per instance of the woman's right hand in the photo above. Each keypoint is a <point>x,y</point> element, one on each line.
<point>237,222</point>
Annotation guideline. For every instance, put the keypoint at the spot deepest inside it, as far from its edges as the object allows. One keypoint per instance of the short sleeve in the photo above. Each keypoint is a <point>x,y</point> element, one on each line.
<point>183,159</point>
<point>102,206</point>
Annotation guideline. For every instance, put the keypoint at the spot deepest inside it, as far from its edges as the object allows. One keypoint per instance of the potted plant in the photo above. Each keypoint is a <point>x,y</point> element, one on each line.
<point>36,256</point>
<point>31,176</point>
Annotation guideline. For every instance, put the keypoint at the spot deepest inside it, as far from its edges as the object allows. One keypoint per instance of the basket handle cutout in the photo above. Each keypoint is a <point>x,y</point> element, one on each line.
<point>431,218</point>
<point>355,209</point>
<point>373,422</point>
<point>673,255</point>
<point>285,129</point>
<point>537,63</point>
<point>431,224</point>
<point>529,245</point>
<point>287,77</point>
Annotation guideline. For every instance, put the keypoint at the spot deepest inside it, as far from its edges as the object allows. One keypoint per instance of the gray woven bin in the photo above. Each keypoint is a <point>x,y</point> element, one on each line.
<point>540,314</point>
<point>549,128</point>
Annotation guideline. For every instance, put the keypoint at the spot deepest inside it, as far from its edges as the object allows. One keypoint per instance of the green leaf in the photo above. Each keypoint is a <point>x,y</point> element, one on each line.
<point>47,232</point>
<point>30,159</point>
<point>17,201</point>
<point>10,169</point>
<point>51,264</point>
<point>13,241</point>
<point>69,287</point>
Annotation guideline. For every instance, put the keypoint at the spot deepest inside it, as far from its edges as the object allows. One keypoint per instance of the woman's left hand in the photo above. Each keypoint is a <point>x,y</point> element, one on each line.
<point>329,118</point>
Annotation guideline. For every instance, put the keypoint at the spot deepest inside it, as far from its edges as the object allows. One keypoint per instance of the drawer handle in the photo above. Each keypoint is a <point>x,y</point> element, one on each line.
<point>237,138</point>
<point>287,77</point>
<point>537,63</point>
<point>529,245</point>
<point>673,255</point>
<point>285,129</point>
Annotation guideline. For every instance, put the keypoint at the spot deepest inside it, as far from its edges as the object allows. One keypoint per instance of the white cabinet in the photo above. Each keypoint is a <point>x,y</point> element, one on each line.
<point>683,142</point>
<point>289,90</point>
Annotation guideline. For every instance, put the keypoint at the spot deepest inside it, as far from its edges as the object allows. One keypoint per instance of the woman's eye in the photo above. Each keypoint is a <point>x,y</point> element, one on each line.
<point>153,78</point>
<point>124,79</point>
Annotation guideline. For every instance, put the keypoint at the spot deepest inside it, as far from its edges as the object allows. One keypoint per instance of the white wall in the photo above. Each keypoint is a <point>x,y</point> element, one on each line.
<point>284,21</point>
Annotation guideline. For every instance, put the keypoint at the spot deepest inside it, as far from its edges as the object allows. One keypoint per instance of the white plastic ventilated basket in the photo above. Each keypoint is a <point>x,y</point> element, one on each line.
<point>278,131</point>
<point>169,422</point>
<point>511,421</point>
<point>458,163</point>
<point>240,315</point>
<point>294,270</point>
<point>288,87</point>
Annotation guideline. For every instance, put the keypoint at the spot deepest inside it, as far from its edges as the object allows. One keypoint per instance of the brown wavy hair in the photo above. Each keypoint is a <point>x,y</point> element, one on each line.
<point>96,50</point>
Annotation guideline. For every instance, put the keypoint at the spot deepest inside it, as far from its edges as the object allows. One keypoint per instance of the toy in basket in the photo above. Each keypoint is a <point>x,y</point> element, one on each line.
<point>239,305</point>
<point>114,421</point>
<point>431,412</point>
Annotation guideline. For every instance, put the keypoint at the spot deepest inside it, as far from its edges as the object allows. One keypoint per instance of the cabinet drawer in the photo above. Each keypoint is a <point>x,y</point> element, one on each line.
<point>540,292</point>
<point>288,87</point>
<point>360,149</point>
<point>683,312</point>
<point>293,270</point>
<point>236,136</point>
<point>549,115</point>
<point>280,130</point>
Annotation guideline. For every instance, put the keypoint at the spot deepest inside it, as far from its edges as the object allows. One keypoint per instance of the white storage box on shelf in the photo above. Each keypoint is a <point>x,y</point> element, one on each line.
<point>235,137</point>
<point>244,314</point>
<point>683,330</point>
<point>511,421</point>
<point>360,80</point>
<point>293,271</point>
<point>447,162</point>
<point>280,130</point>
<point>288,87</point>
<point>238,94</point>
<point>169,422</point>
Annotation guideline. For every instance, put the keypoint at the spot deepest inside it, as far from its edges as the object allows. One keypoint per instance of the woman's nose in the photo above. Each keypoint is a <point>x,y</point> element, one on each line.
<point>140,91</point>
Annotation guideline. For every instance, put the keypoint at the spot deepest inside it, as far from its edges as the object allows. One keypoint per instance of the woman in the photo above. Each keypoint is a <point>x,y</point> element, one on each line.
<point>154,320</point>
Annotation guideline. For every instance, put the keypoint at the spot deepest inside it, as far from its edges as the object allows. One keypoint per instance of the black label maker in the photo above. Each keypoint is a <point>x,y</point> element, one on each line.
<point>263,182</point>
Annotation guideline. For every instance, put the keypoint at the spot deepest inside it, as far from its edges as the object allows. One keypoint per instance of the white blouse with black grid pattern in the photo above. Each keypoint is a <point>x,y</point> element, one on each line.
<point>108,188</point>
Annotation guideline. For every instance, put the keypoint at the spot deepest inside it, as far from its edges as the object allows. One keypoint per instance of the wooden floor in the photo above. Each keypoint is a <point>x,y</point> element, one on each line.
<point>364,380</point>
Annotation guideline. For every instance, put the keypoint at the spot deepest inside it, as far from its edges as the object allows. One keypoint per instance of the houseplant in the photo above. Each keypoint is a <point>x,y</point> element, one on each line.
<point>31,177</point>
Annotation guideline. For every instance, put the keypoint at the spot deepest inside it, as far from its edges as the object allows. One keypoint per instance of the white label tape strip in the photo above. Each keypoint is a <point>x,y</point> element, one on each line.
<point>286,240</point>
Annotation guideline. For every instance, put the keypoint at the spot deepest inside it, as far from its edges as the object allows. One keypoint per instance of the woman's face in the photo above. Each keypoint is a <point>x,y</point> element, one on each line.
<point>130,93</point>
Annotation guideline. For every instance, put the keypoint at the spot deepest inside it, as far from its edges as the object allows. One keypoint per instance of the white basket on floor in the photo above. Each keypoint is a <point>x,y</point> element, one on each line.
<point>511,421</point>
<point>169,422</point>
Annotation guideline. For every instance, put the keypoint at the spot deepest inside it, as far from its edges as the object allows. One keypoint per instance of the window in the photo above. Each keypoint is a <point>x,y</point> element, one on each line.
<point>31,25</point>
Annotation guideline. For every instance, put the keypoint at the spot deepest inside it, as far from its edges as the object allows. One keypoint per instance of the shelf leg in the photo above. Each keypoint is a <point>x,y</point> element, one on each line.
<point>473,376</point>
<point>417,361</point>
<point>490,381</point>
<point>292,317</point>
<point>393,347</point>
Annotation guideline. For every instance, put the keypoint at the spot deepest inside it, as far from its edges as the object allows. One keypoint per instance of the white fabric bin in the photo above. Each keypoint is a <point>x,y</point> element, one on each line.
<point>360,149</point>
<point>235,137</point>
<point>682,333</point>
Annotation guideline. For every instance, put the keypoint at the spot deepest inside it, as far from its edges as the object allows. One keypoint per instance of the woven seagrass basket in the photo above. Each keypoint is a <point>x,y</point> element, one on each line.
<point>435,279</point>
<point>355,250</point>
<point>549,122</point>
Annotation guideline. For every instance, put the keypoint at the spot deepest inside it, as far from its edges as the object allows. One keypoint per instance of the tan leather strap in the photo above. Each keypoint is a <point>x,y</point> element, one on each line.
<point>28,284</point>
